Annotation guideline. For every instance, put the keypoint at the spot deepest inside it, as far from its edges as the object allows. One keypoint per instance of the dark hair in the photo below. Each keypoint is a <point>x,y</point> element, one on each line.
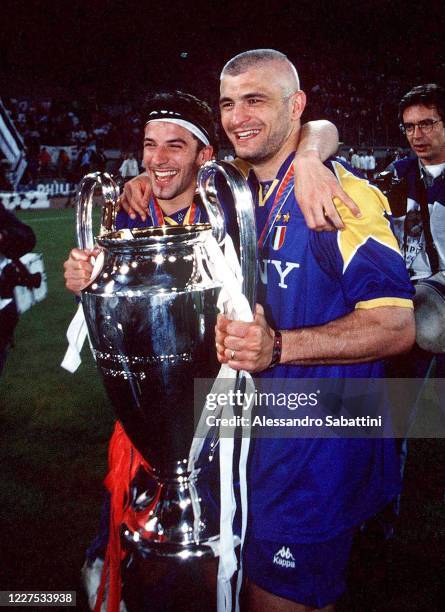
<point>182,106</point>
<point>429,95</point>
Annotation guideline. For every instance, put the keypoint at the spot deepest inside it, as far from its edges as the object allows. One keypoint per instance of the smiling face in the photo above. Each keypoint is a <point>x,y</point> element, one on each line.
<point>260,113</point>
<point>430,148</point>
<point>171,159</point>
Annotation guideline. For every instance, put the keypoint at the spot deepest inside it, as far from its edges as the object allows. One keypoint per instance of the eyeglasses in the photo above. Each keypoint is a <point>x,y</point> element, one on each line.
<point>424,126</point>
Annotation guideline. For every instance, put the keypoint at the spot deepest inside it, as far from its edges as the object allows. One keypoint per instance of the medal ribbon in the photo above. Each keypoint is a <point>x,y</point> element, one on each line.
<point>157,216</point>
<point>281,196</point>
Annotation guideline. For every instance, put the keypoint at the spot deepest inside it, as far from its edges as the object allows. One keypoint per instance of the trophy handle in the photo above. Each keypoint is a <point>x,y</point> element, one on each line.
<point>84,222</point>
<point>245,214</point>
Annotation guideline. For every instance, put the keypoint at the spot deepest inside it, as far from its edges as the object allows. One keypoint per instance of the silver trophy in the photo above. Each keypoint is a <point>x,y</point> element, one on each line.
<point>151,313</point>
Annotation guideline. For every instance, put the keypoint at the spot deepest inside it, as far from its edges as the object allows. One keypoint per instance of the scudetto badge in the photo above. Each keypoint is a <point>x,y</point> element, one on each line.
<point>278,237</point>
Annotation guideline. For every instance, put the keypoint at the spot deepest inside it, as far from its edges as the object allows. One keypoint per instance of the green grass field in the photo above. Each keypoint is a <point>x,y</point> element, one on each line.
<point>54,432</point>
<point>53,441</point>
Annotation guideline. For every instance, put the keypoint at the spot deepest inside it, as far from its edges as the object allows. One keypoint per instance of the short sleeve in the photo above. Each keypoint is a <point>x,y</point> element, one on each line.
<point>365,256</point>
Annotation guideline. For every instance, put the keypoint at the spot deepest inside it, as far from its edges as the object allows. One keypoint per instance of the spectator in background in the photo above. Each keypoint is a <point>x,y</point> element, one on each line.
<point>44,162</point>
<point>369,165</point>
<point>129,168</point>
<point>354,159</point>
<point>86,158</point>
<point>339,153</point>
<point>16,239</point>
<point>362,168</point>
<point>31,174</point>
<point>399,154</point>
<point>63,164</point>
<point>418,199</point>
<point>77,168</point>
<point>82,135</point>
<point>99,160</point>
<point>74,119</point>
<point>416,196</point>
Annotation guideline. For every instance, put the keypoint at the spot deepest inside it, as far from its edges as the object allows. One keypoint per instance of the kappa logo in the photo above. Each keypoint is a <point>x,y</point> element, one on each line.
<point>284,557</point>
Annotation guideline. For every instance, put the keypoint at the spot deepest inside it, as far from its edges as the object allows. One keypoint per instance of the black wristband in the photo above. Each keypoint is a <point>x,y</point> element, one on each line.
<point>276,352</point>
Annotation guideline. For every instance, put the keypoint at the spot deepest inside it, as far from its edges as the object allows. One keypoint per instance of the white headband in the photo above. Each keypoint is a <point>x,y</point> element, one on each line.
<point>191,127</point>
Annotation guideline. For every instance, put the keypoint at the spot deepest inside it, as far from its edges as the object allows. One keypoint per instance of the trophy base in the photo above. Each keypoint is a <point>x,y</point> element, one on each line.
<point>169,550</point>
<point>175,516</point>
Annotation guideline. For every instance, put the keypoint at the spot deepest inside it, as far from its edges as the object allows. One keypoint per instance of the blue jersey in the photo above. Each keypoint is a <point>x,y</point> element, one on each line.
<point>309,278</point>
<point>123,220</point>
<point>305,490</point>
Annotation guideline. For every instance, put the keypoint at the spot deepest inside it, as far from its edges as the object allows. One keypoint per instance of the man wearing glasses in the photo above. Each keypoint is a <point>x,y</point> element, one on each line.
<point>417,200</point>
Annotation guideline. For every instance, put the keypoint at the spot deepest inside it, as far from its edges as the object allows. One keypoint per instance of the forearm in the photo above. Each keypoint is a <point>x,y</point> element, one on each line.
<point>318,138</point>
<point>361,336</point>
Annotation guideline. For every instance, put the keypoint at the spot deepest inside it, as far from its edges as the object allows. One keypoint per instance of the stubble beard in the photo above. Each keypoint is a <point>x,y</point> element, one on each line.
<point>271,147</point>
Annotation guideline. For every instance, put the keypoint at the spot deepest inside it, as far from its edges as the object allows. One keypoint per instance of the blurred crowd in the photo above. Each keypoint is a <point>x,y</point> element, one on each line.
<point>362,102</point>
<point>82,129</point>
<point>362,97</point>
<point>56,122</point>
<point>69,164</point>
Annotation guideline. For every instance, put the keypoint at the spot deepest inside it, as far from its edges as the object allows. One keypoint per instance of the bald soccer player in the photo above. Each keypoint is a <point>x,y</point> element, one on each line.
<point>331,305</point>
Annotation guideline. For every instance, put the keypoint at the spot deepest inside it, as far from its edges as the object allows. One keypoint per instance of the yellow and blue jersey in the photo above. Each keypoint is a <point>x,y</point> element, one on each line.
<point>309,278</point>
<point>180,217</point>
<point>311,489</point>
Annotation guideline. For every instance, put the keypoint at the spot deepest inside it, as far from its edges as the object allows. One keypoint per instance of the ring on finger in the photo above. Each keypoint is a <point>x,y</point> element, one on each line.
<point>232,355</point>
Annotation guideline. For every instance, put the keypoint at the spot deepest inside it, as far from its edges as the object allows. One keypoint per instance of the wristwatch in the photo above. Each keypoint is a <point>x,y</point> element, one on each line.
<point>276,351</point>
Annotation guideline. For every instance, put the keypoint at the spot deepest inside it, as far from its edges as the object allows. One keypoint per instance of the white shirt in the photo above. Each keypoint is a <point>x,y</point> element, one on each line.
<point>369,162</point>
<point>434,170</point>
<point>129,167</point>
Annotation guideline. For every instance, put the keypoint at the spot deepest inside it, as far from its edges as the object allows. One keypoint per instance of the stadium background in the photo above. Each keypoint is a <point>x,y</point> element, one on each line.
<point>100,58</point>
